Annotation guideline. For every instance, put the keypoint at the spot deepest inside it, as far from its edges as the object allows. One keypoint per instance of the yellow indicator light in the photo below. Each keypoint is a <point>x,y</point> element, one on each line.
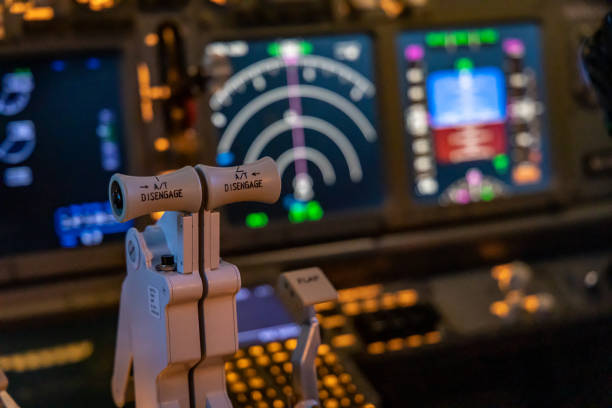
<point>415,340</point>
<point>376,347</point>
<point>256,351</point>
<point>360,292</point>
<point>256,382</point>
<point>407,297</point>
<point>238,387</point>
<point>278,404</point>
<point>531,303</point>
<point>433,337</point>
<point>57,356</point>
<point>323,394</point>
<point>155,216</point>
<point>242,398</point>
<point>287,390</point>
<point>323,349</point>
<point>325,306</point>
<point>359,399</point>
<point>256,395</point>
<point>344,340</point>
<point>331,403</point>
<point>345,378</point>
<point>229,366</point>
<point>232,377</point>
<point>330,358</point>
<point>263,361</point>
<point>333,322</point>
<point>19,8</point>
<point>330,381</point>
<point>239,353</point>
<point>161,144</point>
<point>392,8</point>
<point>270,392</point>
<point>338,392</point>
<point>243,363</point>
<point>395,344</point>
<point>388,301</point>
<point>351,309</point>
<point>291,344</point>
<point>503,275</point>
<point>499,309</point>
<point>274,347</point>
<point>288,367</point>
<point>370,305</point>
<point>275,370</point>
<point>345,402</point>
<point>280,357</point>
<point>151,39</point>
<point>250,372</point>
<point>39,14</point>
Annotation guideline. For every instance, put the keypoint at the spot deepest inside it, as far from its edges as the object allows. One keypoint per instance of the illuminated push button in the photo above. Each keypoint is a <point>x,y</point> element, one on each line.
<point>512,276</point>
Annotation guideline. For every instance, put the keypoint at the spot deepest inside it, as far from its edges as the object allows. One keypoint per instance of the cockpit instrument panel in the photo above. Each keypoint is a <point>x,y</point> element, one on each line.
<point>61,138</point>
<point>475,116</point>
<point>310,104</point>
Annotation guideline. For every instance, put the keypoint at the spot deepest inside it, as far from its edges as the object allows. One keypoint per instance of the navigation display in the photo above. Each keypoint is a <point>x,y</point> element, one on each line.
<point>310,104</point>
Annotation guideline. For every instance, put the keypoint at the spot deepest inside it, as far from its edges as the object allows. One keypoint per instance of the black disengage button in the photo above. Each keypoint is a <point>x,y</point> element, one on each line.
<point>167,260</point>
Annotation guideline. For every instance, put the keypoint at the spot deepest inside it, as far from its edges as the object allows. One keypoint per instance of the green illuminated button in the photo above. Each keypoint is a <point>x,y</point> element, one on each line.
<point>487,193</point>
<point>314,211</point>
<point>297,213</point>
<point>501,162</point>
<point>489,36</point>
<point>464,63</point>
<point>435,39</point>
<point>274,49</point>
<point>461,38</point>
<point>305,48</point>
<point>256,220</point>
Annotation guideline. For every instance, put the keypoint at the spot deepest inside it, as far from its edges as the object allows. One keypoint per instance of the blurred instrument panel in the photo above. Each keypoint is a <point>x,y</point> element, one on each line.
<point>444,162</point>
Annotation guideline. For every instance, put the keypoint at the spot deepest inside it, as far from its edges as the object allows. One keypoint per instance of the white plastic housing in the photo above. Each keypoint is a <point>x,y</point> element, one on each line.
<point>132,197</point>
<point>258,181</point>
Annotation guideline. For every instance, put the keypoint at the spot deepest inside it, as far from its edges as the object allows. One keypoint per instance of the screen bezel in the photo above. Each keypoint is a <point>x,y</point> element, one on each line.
<point>110,255</point>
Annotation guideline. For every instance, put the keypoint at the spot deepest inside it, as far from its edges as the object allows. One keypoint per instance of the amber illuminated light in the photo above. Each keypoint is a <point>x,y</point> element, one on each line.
<point>256,351</point>
<point>370,305</point>
<point>257,382</point>
<point>274,347</point>
<point>151,39</point>
<point>333,322</point>
<point>144,86</point>
<point>232,377</point>
<point>263,361</point>
<point>344,340</point>
<point>280,357</point>
<point>395,344</point>
<point>161,144</point>
<point>243,363</point>
<point>531,303</point>
<point>499,309</point>
<point>415,340</point>
<point>330,381</point>
<point>39,14</point>
<point>407,297</point>
<point>323,349</point>
<point>360,292</point>
<point>433,337</point>
<point>392,8</point>
<point>503,275</point>
<point>291,344</point>
<point>321,307</point>
<point>376,347</point>
<point>351,309</point>
<point>388,301</point>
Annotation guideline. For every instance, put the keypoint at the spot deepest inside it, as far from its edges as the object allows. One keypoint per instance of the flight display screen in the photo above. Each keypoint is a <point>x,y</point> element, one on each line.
<point>61,139</point>
<point>474,113</point>
<point>310,104</point>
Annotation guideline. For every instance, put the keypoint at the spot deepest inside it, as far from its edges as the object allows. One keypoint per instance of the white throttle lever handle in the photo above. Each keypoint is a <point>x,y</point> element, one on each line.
<point>191,189</point>
<point>258,181</point>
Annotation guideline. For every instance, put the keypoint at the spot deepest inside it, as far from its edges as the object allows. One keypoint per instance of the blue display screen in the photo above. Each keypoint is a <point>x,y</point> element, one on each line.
<point>466,97</point>
<point>310,104</point>
<point>61,138</point>
<point>475,113</point>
